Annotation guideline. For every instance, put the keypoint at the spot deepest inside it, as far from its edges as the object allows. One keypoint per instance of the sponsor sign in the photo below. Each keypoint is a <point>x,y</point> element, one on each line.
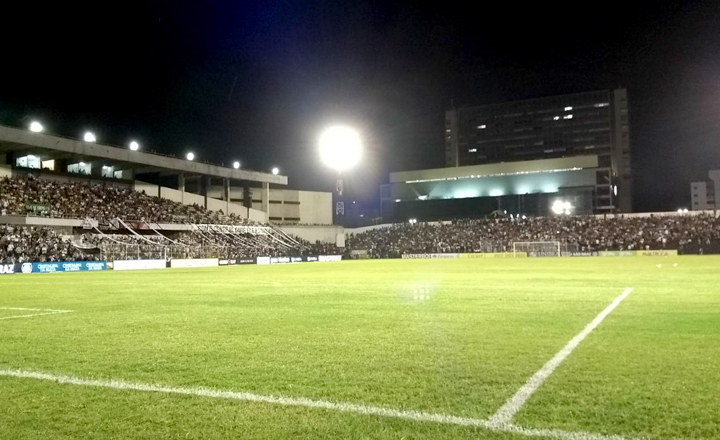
<point>616,253</point>
<point>263,260</point>
<point>245,261</point>
<point>660,253</point>
<point>310,258</point>
<point>224,262</point>
<point>429,256</point>
<point>7,269</point>
<point>196,262</point>
<point>139,264</point>
<point>60,266</point>
<point>579,254</point>
<point>649,253</point>
<point>495,255</point>
<point>328,258</point>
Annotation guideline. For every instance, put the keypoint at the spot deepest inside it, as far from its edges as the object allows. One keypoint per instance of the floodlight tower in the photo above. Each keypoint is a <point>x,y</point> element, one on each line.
<point>340,149</point>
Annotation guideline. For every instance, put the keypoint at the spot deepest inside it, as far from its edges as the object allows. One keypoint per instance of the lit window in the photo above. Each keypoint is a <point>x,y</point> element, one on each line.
<point>556,118</point>
<point>567,117</point>
<point>601,104</point>
<point>567,109</point>
<point>482,127</point>
<point>472,150</point>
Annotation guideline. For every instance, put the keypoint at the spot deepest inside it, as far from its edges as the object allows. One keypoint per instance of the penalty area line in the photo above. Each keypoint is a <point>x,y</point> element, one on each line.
<point>505,414</point>
<point>418,416</point>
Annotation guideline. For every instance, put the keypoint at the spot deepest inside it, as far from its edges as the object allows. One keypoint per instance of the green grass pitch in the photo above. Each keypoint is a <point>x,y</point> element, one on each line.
<point>452,337</point>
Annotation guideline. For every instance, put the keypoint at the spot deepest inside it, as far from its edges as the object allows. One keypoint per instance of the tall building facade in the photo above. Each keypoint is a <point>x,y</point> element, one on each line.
<point>581,124</point>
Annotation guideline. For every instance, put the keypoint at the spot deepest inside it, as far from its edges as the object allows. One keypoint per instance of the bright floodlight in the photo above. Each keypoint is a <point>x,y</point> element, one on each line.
<point>236,165</point>
<point>190,156</point>
<point>340,148</point>
<point>560,207</point>
<point>36,127</point>
<point>275,170</point>
<point>134,146</point>
<point>89,137</point>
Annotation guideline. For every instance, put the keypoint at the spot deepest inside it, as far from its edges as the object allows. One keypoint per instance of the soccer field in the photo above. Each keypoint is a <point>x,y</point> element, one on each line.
<point>561,348</point>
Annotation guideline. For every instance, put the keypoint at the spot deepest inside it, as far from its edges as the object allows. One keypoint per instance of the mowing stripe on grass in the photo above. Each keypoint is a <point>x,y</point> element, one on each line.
<point>418,416</point>
<point>504,415</point>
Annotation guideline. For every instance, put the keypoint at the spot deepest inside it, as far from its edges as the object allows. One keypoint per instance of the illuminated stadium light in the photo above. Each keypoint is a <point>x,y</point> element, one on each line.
<point>82,164</point>
<point>134,146</point>
<point>615,189</point>
<point>190,156</point>
<point>340,148</point>
<point>236,165</point>
<point>413,221</point>
<point>36,127</point>
<point>496,192</point>
<point>275,170</point>
<point>89,137</point>
<point>561,207</point>
<point>422,197</point>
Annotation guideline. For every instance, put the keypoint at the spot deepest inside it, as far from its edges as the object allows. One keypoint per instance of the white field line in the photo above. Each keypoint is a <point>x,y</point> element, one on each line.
<point>504,415</point>
<point>249,397</point>
<point>25,309</point>
<point>418,416</point>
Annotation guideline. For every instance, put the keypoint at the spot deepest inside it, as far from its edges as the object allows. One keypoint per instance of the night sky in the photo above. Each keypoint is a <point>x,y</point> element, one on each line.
<point>257,81</point>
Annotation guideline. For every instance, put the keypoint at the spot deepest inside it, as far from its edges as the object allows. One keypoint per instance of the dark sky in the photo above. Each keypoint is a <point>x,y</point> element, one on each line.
<point>257,81</point>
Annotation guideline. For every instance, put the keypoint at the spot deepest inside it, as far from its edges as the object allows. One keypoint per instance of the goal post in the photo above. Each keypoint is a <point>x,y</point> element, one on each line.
<point>537,248</point>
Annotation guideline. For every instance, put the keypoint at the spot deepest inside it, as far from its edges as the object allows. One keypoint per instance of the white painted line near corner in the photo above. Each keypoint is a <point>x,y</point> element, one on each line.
<point>504,415</point>
<point>250,397</point>
<point>417,416</point>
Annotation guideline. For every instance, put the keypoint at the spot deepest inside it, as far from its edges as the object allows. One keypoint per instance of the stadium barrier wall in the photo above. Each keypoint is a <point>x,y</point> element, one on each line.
<point>192,263</point>
<point>139,264</point>
<point>647,253</point>
<point>237,261</point>
<point>60,266</point>
<point>428,256</point>
<point>495,255</point>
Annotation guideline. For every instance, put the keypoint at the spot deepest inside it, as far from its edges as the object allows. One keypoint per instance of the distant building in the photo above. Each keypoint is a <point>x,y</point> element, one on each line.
<point>519,188</point>
<point>582,124</point>
<point>703,194</point>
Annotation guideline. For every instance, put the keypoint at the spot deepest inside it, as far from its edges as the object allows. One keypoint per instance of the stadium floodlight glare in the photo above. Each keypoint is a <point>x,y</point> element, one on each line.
<point>36,127</point>
<point>190,156</point>
<point>134,146</point>
<point>275,171</point>
<point>340,148</point>
<point>561,207</point>
<point>89,137</point>
<point>236,165</point>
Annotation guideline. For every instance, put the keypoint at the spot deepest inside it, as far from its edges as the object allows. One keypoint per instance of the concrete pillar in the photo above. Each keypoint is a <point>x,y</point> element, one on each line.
<point>181,187</point>
<point>247,195</point>
<point>204,183</point>
<point>266,199</point>
<point>226,194</point>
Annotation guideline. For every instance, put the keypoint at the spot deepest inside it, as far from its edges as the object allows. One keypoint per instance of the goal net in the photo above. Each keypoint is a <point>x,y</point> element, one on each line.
<point>537,248</point>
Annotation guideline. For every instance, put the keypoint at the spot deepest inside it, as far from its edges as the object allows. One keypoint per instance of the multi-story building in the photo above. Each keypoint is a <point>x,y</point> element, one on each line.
<point>703,194</point>
<point>581,124</point>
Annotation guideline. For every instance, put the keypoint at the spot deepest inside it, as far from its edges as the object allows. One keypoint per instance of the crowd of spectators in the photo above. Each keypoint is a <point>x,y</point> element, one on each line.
<point>583,234</point>
<point>33,196</point>
<point>21,244</point>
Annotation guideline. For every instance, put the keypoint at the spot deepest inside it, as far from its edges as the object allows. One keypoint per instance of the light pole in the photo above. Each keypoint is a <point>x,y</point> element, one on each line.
<point>340,149</point>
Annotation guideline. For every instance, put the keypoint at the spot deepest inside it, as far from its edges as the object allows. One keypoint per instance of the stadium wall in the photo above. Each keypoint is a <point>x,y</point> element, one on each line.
<point>5,171</point>
<point>191,198</point>
<point>323,234</point>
